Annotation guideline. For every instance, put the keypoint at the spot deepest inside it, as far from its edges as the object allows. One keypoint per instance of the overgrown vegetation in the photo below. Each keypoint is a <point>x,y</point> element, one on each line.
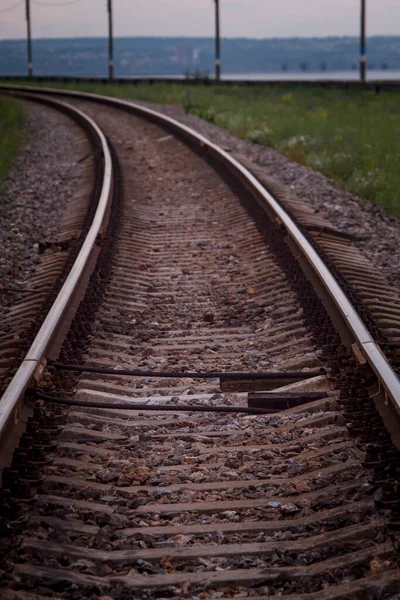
<point>351,136</point>
<point>11,133</point>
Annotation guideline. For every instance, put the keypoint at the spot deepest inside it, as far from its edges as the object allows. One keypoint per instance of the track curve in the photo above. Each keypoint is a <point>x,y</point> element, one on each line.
<point>34,360</point>
<point>152,504</point>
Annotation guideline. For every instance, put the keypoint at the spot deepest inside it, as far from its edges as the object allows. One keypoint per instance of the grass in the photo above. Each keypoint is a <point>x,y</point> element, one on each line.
<point>12,119</point>
<point>351,136</point>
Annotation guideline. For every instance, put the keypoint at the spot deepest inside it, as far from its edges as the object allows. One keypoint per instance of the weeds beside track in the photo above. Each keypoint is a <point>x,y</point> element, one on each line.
<point>12,119</point>
<point>347,134</point>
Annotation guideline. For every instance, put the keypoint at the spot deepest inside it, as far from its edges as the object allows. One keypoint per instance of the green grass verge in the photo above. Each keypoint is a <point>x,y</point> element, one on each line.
<point>351,136</point>
<point>12,119</point>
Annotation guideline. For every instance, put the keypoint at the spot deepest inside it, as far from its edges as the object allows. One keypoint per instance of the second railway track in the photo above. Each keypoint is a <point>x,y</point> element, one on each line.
<point>195,275</point>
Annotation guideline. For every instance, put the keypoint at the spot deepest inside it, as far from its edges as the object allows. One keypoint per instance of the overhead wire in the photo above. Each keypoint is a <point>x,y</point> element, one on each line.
<point>55,4</point>
<point>7,8</point>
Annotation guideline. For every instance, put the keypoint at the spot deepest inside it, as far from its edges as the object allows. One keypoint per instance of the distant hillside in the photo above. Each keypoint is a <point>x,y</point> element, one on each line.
<point>175,56</point>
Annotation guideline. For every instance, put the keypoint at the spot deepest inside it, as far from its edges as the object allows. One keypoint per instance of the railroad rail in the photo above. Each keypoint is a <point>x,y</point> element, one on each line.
<point>278,501</point>
<point>49,337</point>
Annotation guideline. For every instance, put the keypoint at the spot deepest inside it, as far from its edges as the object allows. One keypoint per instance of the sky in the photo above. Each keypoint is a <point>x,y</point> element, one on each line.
<point>239,18</point>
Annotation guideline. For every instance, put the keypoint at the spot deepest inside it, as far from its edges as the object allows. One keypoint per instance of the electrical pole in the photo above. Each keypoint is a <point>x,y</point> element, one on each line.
<point>28,36</point>
<point>110,41</point>
<point>217,43</point>
<point>362,43</point>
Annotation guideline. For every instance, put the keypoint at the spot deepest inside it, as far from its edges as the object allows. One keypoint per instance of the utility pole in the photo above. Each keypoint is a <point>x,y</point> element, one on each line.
<point>28,36</point>
<point>110,41</point>
<point>362,43</point>
<point>217,43</point>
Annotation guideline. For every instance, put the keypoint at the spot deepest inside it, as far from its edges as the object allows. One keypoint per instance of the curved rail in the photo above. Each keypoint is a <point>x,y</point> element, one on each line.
<point>36,355</point>
<point>358,332</point>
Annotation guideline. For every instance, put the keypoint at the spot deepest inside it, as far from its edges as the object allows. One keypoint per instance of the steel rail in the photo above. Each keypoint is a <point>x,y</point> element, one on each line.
<point>362,337</point>
<point>10,402</point>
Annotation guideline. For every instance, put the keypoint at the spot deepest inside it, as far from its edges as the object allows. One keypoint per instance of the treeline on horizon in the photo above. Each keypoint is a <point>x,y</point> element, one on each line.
<point>135,56</point>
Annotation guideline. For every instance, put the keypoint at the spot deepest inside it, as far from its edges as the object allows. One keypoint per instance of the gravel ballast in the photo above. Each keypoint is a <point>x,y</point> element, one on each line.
<point>31,205</point>
<point>35,195</point>
<point>378,232</point>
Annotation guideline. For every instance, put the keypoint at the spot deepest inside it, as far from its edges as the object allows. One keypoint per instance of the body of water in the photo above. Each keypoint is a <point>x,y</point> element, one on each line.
<point>373,75</point>
<point>353,75</point>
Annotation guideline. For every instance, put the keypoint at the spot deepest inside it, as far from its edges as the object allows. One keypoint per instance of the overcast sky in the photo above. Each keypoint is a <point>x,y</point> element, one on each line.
<point>245,18</point>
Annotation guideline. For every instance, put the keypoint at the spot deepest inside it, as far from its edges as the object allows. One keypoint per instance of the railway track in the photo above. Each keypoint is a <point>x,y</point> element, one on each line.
<point>233,425</point>
<point>55,252</point>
